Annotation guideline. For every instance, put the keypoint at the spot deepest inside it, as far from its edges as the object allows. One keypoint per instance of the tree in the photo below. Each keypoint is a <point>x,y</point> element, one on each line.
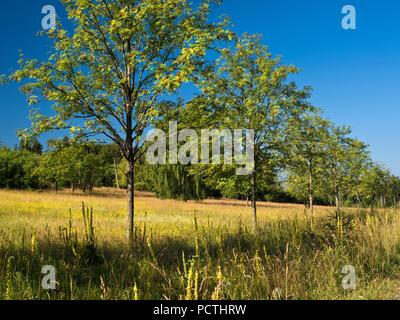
<point>90,167</point>
<point>121,57</point>
<point>50,171</point>
<point>307,152</point>
<point>394,190</point>
<point>249,90</point>
<point>17,169</point>
<point>360,160</point>
<point>175,181</point>
<point>110,156</point>
<point>83,165</point>
<point>336,164</point>
<point>31,145</point>
<point>345,157</point>
<point>373,182</point>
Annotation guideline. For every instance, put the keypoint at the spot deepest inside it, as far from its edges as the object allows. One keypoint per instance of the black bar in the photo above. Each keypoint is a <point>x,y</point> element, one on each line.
<point>202,310</point>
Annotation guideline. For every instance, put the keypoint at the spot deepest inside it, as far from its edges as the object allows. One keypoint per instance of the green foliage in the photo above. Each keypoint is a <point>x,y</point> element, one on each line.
<point>249,89</point>
<point>32,145</point>
<point>108,77</point>
<point>79,165</point>
<point>174,182</point>
<point>17,169</point>
<point>375,183</point>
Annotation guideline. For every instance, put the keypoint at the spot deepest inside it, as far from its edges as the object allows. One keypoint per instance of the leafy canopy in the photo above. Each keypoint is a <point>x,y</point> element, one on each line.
<point>105,76</point>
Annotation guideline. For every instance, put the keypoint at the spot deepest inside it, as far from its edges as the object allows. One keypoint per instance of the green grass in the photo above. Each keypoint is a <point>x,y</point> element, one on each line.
<point>204,250</point>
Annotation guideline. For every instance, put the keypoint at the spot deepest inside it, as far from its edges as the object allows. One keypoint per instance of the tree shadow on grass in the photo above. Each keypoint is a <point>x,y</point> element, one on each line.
<point>94,271</point>
<point>118,194</point>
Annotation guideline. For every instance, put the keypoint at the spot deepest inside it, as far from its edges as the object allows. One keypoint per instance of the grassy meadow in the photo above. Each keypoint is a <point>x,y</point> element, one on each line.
<point>191,250</point>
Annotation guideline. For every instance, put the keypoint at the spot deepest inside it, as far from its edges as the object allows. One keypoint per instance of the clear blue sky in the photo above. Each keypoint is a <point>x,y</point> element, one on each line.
<point>354,73</point>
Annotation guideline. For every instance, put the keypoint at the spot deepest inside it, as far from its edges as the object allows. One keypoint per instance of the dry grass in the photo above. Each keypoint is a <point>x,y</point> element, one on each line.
<point>37,210</point>
<point>214,256</point>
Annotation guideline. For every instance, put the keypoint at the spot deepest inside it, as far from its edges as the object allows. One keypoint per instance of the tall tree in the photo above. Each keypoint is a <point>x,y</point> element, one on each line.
<point>249,90</point>
<point>360,160</point>
<point>105,77</point>
<point>307,151</point>
<point>336,165</point>
<point>345,157</point>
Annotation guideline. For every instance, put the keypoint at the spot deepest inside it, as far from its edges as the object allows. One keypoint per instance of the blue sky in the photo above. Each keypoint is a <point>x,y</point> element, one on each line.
<point>354,73</point>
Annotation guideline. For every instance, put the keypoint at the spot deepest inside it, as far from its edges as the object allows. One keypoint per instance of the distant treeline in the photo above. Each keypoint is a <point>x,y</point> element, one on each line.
<point>87,165</point>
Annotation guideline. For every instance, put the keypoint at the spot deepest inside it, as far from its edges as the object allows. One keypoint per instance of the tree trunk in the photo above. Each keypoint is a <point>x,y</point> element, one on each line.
<point>116,174</point>
<point>72,187</point>
<point>56,186</point>
<point>253,199</point>
<point>395,204</point>
<point>130,201</point>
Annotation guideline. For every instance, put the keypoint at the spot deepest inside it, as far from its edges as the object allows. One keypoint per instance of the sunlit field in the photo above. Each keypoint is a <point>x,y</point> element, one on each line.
<point>191,250</point>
